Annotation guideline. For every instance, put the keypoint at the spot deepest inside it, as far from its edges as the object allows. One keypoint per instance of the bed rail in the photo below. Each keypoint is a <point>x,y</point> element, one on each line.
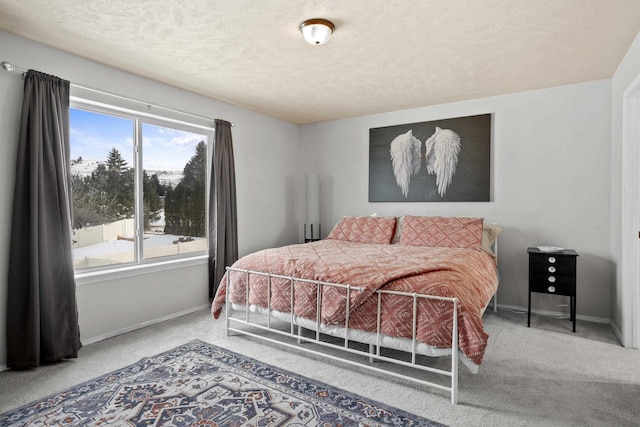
<point>295,331</point>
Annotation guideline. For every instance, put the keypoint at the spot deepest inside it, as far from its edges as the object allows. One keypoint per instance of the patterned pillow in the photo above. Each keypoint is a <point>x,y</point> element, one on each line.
<point>437,231</point>
<point>364,229</point>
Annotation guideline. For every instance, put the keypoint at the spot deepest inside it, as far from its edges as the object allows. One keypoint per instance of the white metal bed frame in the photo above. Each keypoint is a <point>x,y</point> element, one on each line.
<point>371,354</point>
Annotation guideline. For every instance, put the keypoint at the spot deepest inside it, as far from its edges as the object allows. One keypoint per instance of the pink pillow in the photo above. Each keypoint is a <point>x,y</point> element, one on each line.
<point>364,229</point>
<point>437,231</point>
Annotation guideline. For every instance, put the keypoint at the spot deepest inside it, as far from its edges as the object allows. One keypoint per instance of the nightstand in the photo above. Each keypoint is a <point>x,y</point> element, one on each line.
<point>553,273</point>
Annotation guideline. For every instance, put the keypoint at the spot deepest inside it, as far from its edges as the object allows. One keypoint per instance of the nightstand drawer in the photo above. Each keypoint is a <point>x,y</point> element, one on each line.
<point>552,283</point>
<point>552,264</point>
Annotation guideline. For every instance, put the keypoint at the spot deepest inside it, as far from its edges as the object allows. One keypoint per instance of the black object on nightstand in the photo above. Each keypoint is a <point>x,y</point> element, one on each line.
<point>553,273</point>
<point>312,237</point>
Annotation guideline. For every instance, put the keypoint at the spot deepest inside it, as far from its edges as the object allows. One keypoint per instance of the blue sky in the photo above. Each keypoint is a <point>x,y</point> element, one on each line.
<point>93,135</point>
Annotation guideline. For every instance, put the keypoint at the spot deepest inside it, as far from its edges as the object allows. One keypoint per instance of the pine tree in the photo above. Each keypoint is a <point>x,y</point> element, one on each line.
<point>112,185</point>
<point>115,162</point>
<point>185,205</point>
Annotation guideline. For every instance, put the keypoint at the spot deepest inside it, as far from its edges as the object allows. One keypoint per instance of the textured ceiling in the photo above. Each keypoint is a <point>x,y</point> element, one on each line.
<point>383,56</point>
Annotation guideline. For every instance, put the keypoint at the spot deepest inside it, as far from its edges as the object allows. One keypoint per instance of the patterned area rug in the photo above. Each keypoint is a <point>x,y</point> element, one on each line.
<point>199,384</point>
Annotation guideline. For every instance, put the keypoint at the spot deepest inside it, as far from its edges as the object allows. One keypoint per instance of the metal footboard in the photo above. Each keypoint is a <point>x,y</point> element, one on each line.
<point>295,330</point>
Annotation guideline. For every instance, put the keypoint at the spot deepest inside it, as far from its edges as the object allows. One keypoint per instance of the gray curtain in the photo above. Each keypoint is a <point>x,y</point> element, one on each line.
<point>223,217</point>
<point>42,317</point>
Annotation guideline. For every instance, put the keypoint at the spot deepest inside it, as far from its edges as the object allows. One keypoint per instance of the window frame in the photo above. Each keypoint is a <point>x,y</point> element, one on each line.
<point>139,119</point>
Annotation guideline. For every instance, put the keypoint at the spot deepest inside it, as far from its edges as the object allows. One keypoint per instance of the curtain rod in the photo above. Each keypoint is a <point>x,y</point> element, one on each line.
<point>7,66</point>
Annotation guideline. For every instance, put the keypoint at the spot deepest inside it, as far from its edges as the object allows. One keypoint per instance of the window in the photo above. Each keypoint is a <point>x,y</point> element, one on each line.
<point>139,187</point>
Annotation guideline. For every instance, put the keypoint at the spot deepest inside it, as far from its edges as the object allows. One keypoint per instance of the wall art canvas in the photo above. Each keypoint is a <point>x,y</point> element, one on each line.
<point>445,160</point>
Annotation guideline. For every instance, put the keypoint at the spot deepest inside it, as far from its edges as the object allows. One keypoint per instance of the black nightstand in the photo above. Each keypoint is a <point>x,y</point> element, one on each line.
<point>553,273</point>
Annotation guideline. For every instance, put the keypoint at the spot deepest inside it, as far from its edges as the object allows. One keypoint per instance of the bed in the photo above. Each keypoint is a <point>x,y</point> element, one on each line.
<point>415,284</point>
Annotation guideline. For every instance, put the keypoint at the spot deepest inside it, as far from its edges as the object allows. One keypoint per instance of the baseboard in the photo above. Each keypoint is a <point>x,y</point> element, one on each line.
<point>97,338</point>
<point>617,332</point>
<point>593,319</point>
<point>3,368</point>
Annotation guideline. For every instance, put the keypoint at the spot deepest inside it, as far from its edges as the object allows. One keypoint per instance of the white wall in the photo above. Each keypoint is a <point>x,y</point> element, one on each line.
<point>550,174</point>
<point>554,182</point>
<point>627,72</point>
<point>266,155</point>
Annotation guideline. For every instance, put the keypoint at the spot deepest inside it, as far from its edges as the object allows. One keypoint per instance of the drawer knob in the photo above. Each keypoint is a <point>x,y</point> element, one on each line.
<point>551,279</point>
<point>551,288</point>
<point>552,269</point>
<point>552,259</point>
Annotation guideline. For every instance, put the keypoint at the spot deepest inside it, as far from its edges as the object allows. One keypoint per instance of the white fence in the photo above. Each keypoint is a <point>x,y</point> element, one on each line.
<point>86,236</point>
<point>124,230</point>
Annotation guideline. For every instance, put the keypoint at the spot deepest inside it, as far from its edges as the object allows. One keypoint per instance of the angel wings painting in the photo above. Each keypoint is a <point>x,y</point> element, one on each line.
<point>442,150</point>
<point>444,160</point>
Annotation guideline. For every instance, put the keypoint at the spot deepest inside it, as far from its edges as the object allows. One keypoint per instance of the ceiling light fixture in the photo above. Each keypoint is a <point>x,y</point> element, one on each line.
<point>317,31</point>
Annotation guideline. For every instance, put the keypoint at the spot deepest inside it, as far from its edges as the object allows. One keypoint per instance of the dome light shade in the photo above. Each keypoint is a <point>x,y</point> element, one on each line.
<point>317,31</point>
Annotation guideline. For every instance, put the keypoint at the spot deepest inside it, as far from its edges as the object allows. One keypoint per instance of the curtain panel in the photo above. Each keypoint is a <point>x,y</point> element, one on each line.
<point>42,317</point>
<point>223,218</point>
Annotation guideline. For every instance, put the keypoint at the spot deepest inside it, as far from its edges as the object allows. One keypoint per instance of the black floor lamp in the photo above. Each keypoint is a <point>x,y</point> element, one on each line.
<point>312,228</point>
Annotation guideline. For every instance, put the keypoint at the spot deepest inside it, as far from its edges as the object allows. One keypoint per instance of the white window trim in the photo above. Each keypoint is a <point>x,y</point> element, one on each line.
<point>77,101</point>
<point>142,266</point>
<point>96,276</point>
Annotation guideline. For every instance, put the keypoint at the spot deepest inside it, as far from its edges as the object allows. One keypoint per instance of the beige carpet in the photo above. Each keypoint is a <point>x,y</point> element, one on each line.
<point>539,376</point>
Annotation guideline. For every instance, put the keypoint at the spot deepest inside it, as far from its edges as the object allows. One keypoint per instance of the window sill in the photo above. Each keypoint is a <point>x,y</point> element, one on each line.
<point>92,277</point>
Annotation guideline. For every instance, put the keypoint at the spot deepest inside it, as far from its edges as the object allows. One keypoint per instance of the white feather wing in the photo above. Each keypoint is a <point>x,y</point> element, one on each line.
<point>405,153</point>
<point>443,149</point>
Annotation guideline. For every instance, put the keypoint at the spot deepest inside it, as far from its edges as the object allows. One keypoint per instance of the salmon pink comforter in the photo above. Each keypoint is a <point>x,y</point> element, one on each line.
<point>467,274</point>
